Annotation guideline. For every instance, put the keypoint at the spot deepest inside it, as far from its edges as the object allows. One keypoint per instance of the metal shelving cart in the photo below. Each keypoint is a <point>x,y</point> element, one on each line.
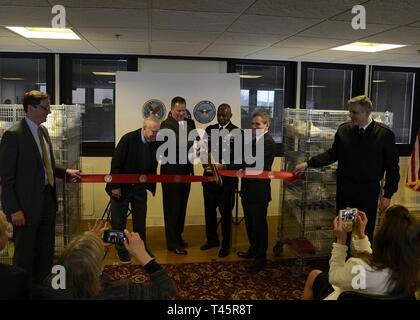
<point>64,125</point>
<point>308,204</point>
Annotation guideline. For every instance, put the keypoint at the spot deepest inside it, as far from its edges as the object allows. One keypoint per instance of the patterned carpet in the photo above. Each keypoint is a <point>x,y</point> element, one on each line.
<point>280,280</point>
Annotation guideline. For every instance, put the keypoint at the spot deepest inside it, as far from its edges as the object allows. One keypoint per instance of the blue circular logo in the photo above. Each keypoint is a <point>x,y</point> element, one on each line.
<point>204,111</point>
<point>154,107</point>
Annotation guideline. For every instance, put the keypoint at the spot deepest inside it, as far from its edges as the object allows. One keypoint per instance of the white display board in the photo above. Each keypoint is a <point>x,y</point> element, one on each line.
<point>134,89</point>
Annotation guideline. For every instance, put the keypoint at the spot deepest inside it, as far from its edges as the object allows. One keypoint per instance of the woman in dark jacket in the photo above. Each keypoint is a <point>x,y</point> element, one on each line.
<point>83,261</point>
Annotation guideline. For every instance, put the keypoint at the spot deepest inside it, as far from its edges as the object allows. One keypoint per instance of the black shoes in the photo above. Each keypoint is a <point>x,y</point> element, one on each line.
<point>180,251</point>
<point>223,252</point>
<point>208,246</point>
<point>256,266</point>
<point>124,257</point>
<point>184,244</point>
<point>245,254</point>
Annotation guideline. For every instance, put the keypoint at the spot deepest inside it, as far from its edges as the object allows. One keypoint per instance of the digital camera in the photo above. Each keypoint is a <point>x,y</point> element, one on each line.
<point>348,214</point>
<point>114,236</point>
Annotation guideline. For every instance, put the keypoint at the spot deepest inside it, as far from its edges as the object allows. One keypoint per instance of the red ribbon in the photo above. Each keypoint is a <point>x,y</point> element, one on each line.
<point>168,178</point>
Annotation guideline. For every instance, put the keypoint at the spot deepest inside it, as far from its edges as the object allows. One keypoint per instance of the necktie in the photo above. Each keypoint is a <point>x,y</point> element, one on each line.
<point>361,131</point>
<point>45,158</point>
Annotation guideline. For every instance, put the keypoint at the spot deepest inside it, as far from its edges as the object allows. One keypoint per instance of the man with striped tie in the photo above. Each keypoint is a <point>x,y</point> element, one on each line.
<point>28,195</point>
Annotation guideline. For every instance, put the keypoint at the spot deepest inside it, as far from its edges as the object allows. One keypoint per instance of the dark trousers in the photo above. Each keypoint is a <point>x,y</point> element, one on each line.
<point>119,209</point>
<point>35,242</point>
<point>222,199</point>
<point>364,197</point>
<point>175,200</point>
<point>255,214</point>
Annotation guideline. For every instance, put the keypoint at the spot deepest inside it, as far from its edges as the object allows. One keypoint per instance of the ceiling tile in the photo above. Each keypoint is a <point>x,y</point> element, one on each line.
<point>122,4</point>
<point>183,36</point>
<point>342,30</point>
<point>301,8</point>
<point>119,18</point>
<point>331,54</point>
<point>278,53</point>
<point>173,46</point>
<point>100,44</point>
<point>126,34</point>
<point>237,38</point>
<point>26,16</point>
<point>310,43</point>
<point>18,44</point>
<point>271,25</point>
<point>404,35</point>
<point>26,3</point>
<point>395,12</point>
<point>124,51</point>
<point>228,49</point>
<point>192,21</point>
<point>203,5</point>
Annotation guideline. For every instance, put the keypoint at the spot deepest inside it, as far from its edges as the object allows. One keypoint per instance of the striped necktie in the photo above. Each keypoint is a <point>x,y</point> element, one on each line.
<point>46,158</point>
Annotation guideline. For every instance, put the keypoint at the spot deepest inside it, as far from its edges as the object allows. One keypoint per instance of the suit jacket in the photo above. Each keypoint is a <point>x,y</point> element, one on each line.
<point>14,283</point>
<point>227,182</point>
<point>22,172</point>
<point>131,156</point>
<point>259,190</point>
<point>171,123</point>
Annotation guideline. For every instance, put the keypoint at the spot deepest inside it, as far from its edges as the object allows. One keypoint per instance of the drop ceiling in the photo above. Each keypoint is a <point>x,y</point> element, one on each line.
<point>297,30</point>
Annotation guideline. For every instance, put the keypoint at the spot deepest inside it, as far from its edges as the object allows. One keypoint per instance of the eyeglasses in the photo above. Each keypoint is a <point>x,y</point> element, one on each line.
<point>42,107</point>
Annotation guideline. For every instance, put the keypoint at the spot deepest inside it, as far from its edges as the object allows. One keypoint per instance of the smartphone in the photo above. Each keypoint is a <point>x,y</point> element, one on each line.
<point>114,236</point>
<point>348,214</point>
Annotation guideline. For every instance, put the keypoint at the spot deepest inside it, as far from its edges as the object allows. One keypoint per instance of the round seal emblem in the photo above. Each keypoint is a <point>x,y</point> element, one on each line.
<point>188,114</point>
<point>108,178</point>
<point>204,111</point>
<point>154,107</point>
<point>142,178</point>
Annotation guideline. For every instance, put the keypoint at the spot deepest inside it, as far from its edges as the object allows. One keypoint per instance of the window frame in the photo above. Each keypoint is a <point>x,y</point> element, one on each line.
<point>49,67</point>
<point>404,149</point>
<point>358,79</point>
<point>89,149</point>
<point>290,75</point>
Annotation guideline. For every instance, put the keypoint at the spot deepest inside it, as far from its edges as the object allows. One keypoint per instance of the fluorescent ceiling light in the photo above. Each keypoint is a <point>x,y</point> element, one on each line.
<point>368,47</point>
<point>112,82</point>
<point>315,86</point>
<point>279,89</point>
<point>378,81</point>
<point>13,79</point>
<point>103,73</point>
<point>45,33</point>
<point>249,76</point>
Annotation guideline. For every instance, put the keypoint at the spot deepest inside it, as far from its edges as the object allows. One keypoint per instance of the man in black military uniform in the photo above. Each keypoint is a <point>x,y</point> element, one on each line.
<point>365,150</point>
<point>216,196</point>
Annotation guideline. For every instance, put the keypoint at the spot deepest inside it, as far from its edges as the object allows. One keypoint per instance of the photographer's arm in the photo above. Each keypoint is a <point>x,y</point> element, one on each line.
<point>161,286</point>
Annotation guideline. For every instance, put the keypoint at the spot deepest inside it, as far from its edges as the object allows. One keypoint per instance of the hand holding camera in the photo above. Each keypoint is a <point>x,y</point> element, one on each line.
<point>135,245</point>
<point>348,216</point>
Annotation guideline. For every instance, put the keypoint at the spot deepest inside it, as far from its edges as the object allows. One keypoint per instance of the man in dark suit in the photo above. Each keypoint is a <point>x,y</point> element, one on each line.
<point>256,195</point>
<point>216,196</point>
<point>14,281</point>
<point>175,195</point>
<point>29,199</point>
<point>365,150</point>
<point>135,153</point>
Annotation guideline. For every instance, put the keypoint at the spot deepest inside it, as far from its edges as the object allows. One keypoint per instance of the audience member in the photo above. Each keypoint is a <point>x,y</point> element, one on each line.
<point>390,267</point>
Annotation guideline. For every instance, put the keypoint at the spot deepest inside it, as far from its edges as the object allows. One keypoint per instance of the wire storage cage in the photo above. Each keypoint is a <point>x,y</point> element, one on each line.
<point>308,204</point>
<point>64,125</point>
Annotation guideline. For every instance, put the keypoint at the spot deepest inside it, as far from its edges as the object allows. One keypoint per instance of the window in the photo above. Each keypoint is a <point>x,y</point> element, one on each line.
<point>90,81</point>
<point>330,86</point>
<point>265,86</point>
<point>393,89</point>
<point>20,73</point>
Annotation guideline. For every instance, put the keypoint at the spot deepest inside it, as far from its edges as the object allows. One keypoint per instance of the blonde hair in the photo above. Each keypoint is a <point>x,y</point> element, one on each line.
<point>363,101</point>
<point>82,260</point>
